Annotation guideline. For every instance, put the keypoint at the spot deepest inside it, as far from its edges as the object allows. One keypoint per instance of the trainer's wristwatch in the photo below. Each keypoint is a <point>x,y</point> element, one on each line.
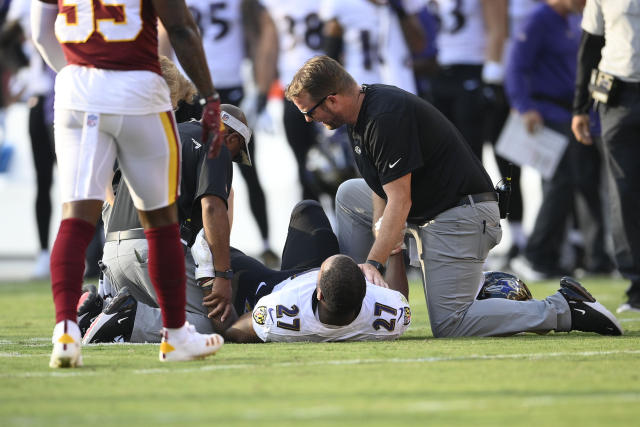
<point>381,268</point>
<point>227,274</point>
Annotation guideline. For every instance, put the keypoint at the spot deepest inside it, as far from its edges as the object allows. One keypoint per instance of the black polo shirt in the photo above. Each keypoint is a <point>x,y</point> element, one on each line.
<point>397,133</point>
<point>200,177</point>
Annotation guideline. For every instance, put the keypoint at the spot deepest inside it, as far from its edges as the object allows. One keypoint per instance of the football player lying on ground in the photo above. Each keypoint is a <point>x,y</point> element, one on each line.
<point>318,295</point>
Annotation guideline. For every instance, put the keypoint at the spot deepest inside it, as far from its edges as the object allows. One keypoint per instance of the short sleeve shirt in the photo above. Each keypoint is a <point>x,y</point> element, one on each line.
<point>399,133</point>
<point>201,176</point>
<point>619,22</point>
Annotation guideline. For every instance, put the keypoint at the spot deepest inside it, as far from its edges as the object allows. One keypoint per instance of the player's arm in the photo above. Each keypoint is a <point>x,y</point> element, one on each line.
<point>43,18</point>
<point>261,35</point>
<point>216,229</point>
<point>187,45</point>
<point>411,28</point>
<point>396,275</point>
<point>495,17</point>
<point>230,207</point>
<point>395,215</point>
<point>186,42</point>
<point>333,43</point>
<point>242,331</point>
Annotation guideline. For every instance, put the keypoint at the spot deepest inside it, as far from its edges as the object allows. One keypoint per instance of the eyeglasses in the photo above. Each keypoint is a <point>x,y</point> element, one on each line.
<point>309,112</point>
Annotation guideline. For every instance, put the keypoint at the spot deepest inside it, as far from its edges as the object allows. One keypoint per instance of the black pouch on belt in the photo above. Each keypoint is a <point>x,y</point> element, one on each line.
<point>603,87</point>
<point>503,188</point>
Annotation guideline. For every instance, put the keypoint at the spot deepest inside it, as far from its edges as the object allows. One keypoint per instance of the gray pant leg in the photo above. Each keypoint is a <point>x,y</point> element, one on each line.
<point>125,269</point>
<point>454,248</point>
<point>147,326</point>
<point>194,292</point>
<point>354,213</point>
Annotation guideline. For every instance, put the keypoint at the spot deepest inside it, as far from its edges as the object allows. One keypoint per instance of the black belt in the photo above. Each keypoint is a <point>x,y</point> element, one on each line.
<point>489,196</point>
<point>116,236</point>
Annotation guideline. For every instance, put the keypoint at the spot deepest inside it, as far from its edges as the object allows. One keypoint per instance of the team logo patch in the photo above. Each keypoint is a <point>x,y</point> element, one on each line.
<point>92,120</point>
<point>260,315</point>
<point>407,315</point>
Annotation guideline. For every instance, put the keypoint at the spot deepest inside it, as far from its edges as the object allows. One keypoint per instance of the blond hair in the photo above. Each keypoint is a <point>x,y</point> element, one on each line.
<point>320,76</point>
<point>180,87</point>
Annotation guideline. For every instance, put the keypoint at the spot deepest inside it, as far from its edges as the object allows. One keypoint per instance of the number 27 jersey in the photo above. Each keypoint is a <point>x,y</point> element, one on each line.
<point>287,315</point>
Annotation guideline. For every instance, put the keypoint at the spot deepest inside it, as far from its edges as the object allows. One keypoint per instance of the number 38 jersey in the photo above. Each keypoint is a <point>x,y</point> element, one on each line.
<point>299,33</point>
<point>287,314</point>
<point>112,50</point>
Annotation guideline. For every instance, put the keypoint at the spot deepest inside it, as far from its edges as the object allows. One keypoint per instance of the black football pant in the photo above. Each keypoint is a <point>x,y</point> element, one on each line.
<point>301,136</point>
<point>310,240</point>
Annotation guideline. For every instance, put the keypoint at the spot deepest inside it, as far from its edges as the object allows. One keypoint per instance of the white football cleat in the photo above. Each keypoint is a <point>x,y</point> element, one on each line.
<point>66,345</point>
<point>187,344</point>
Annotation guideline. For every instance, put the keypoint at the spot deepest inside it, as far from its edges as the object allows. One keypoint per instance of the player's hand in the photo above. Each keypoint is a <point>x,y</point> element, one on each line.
<point>532,121</point>
<point>211,124</point>
<point>373,275</point>
<point>219,300</point>
<point>580,128</point>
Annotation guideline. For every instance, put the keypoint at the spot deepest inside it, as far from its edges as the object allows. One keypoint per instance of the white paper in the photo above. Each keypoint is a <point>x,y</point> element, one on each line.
<point>541,150</point>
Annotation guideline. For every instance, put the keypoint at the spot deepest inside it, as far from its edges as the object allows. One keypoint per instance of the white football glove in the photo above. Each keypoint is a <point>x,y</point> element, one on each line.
<point>202,257</point>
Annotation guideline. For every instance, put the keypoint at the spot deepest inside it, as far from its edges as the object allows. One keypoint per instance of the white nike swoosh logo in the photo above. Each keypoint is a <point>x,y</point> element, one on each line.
<point>391,165</point>
<point>580,311</point>
<point>259,286</point>
<point>122,320</point>
<point>196,143</point>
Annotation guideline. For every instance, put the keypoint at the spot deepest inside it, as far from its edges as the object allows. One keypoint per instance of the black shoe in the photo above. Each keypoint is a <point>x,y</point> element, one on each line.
<point>587,314</point>
<point>89,307</point>
<point>115,323</point>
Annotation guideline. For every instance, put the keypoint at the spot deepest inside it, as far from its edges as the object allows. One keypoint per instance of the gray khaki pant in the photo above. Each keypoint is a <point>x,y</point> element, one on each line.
<point>125,268</point>
<point>452,249</point>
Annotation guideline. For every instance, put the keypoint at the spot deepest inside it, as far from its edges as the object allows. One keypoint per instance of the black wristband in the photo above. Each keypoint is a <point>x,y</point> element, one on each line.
<point>227,274</point>
<point>381,268</point>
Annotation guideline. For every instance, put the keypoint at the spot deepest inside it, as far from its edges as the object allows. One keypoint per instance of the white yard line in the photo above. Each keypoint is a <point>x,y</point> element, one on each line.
<point>425,360</point>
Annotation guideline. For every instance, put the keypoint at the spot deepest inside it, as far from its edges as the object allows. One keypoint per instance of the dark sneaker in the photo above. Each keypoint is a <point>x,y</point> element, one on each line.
<point>115,323</point>
<point>89,307</point>
<point>587,314</point>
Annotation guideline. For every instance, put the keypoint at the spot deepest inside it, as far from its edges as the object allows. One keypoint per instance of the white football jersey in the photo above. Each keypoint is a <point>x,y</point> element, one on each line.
<point>462,37</point>
<point>397,68</point>
<point>299,33</point>
<point>220,24</point>
<point>286,315</point>
<point>360,22</point>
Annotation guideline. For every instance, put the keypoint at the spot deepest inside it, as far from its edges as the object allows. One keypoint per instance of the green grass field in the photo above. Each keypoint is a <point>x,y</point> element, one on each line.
<point>575,379</point>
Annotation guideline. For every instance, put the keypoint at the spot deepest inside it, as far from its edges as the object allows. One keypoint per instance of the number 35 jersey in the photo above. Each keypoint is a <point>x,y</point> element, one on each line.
<point>112,50</point>
<point>287,314</point>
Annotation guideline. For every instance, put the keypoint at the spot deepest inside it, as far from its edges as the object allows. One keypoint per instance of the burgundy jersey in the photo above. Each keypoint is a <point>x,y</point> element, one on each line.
<point>109,34</point>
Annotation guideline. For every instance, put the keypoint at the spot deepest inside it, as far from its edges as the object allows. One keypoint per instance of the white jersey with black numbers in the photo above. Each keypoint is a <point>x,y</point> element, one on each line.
<point>220,23</point>
<point>462,38</point>
<point>397,68</point>
<point>287,314</point>
<point>299,33</point>
<point>360,22</point>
